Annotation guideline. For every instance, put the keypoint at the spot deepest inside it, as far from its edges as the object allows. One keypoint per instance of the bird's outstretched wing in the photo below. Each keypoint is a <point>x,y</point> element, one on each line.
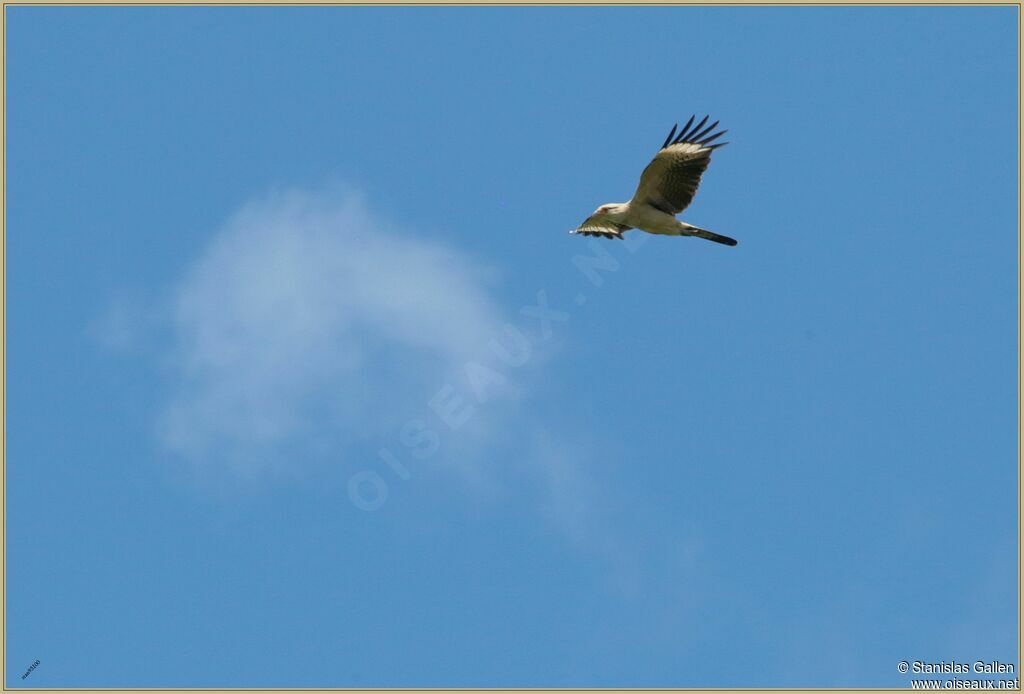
<point>597,225</point>
<point>670,181</point>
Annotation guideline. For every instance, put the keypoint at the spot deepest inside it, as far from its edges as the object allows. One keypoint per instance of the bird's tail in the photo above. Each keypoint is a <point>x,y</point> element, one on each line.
<point>712,236</point>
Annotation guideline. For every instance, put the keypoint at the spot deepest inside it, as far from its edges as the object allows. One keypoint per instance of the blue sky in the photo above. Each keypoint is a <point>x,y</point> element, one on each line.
<point>249,249</point>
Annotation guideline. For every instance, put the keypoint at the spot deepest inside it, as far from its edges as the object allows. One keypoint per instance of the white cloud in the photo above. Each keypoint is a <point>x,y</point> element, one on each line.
<point>309,329</point>
<point>306,311</point>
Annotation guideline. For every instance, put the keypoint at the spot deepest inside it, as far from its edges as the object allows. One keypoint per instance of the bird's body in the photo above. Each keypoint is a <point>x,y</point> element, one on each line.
<point>666,188</point>
<point>646,218</point>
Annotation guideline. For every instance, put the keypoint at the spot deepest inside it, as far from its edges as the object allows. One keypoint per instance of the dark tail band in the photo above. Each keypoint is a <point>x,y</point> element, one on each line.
<point>717,238</point>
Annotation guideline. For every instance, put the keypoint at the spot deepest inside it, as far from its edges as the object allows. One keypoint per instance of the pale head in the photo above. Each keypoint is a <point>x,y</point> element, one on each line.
<point>611,209</point>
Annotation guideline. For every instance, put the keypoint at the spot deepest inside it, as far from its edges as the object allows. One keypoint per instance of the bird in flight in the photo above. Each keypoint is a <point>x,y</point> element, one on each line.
<point>667,186</point>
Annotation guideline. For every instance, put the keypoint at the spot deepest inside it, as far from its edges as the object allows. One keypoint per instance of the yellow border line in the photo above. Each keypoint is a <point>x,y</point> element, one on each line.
<point>582,3</point>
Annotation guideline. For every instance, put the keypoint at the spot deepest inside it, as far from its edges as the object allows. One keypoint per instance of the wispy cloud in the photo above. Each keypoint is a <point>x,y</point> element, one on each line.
<point>307,310</point>
<point>310,328</point>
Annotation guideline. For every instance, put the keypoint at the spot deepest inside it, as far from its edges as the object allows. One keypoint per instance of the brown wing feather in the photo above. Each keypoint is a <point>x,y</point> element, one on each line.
<point>670,181</point>
<point>598,225</point>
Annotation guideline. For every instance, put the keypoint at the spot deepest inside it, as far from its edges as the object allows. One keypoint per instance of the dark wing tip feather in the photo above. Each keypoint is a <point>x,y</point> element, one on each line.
<point>685,137</point>
<point>682,131</point>
<point>670,135</point>
<point>712,138</point>
<point>697,136</point>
